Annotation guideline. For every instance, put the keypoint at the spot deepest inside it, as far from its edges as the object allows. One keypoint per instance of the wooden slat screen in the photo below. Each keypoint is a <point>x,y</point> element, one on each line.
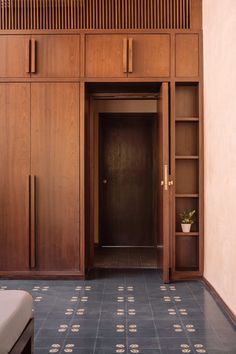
<point>94,14</point>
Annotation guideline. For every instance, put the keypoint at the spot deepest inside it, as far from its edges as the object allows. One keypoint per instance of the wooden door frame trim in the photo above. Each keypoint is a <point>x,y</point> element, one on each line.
<point>166,194</point>
<point>89,234</point>
<point>82,178</point>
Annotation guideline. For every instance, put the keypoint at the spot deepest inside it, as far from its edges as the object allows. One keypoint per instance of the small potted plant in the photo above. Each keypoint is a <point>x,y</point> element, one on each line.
<point>187,219</point>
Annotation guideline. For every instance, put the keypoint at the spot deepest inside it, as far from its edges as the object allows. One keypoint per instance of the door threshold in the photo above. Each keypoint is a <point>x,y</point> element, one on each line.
<point>124,267</point>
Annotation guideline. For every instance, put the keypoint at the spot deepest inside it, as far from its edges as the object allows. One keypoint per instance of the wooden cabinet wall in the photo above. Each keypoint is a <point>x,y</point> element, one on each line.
<point>133,56</point>
<point>121,56</point>
<point>39,139</point>
<point>42,122</point>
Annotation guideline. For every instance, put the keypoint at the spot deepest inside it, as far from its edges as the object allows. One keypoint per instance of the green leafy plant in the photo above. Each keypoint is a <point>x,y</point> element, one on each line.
<point>187,217</point>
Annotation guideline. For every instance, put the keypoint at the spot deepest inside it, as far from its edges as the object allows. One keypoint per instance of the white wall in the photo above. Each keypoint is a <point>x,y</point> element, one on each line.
<point>219,31</point>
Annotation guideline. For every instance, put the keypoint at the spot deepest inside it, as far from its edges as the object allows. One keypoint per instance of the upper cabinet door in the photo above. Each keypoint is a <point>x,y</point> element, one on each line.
<point>149,55</point>
<point>14,177</point>
<point>187,55</point>
<point>106,56</point>
<point>14,56</point>
<point>55,56</point>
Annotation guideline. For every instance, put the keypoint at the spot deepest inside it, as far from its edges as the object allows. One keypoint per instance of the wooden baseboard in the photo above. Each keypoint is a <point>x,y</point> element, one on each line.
<point>64,275</point>
<point>220,301</point>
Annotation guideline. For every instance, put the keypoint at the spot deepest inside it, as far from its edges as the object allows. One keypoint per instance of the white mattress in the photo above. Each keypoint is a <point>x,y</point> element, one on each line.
<point>15,313</point>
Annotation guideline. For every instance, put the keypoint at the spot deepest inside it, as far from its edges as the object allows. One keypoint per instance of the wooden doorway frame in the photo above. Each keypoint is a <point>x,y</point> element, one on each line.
<point>92,132</point>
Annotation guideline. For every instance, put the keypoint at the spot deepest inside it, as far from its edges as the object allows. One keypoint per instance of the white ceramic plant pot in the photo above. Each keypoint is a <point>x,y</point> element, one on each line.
<point>186,227</point>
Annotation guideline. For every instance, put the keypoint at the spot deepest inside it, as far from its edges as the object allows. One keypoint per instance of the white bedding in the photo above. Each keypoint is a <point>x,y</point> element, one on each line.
<point>15,313</point>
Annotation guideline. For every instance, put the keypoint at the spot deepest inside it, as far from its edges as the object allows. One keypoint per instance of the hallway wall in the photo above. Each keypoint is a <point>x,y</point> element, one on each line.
<point>219,31</point>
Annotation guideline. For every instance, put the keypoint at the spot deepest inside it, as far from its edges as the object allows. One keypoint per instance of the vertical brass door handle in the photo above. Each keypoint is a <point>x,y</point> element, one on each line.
<point>32,180</point>
<point>165,177</point>
<point>33,56</point>
<point>130,55</point>
<point>27,55</point>
<point>125,55</point>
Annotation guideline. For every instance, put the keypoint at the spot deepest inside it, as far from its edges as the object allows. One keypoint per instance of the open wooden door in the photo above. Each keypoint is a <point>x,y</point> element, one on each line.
<point>164,180</point>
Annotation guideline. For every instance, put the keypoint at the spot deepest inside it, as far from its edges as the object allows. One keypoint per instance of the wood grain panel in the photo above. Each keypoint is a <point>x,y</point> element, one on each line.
<point>57,56</point>
<point>104,56</point>
<point>126,199</point>
<point>187,55</point>
<point>14,177</point>
<point>186,139</point>
<point>61,14</point>
<point>187,97</point>
<point>13,56</point>
<point>187,177</point>
<point>55,163</point>
<point>187,254</point>
<point>195,15</point>
<point>151,54</point>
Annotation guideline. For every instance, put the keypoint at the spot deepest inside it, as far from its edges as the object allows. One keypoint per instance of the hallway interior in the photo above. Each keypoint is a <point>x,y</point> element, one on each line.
<point>130,311</point>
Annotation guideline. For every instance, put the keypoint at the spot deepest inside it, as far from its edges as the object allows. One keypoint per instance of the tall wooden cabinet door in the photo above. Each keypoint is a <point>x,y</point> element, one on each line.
<point>55,56</point>
<point>55,167</point>
<point>149,55</point>
<point>106,56</point>
<point>14,176</point>
<point>14,56</point>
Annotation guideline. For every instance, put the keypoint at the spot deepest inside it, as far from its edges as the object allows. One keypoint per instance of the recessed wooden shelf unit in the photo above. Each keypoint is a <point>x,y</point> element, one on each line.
<point>187,172</point>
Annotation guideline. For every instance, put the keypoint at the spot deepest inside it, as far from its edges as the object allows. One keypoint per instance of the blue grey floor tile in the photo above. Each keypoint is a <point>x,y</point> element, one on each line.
<point>126,311</point>
<point>144,342</point>
<point>169,343</point>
